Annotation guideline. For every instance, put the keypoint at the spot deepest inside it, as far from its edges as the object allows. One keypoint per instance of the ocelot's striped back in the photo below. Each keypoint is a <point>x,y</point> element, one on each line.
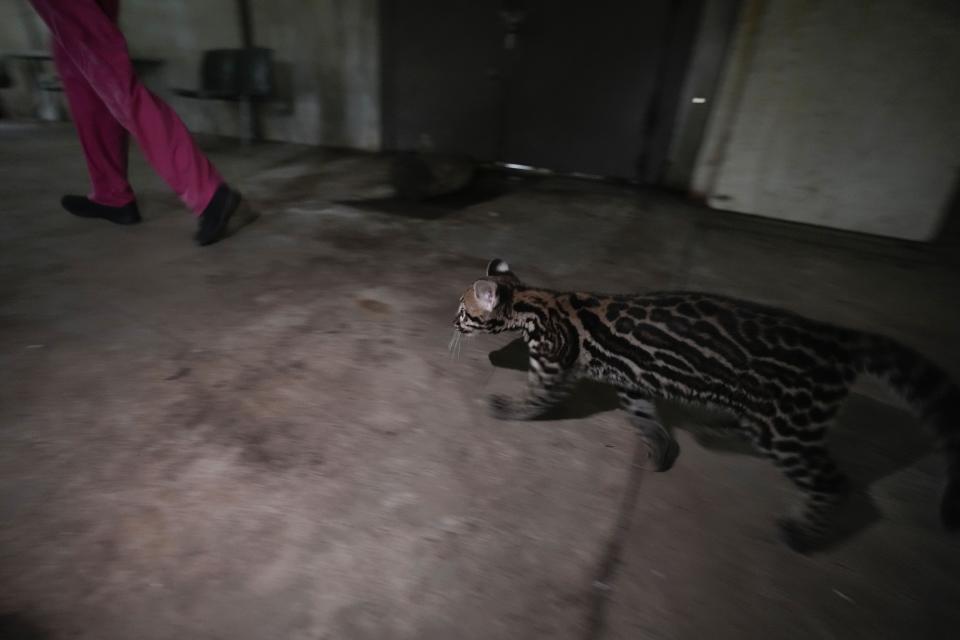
<point>783,376</point>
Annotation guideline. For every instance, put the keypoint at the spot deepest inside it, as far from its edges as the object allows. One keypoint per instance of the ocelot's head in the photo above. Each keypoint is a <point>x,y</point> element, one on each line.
<point>486,306</point>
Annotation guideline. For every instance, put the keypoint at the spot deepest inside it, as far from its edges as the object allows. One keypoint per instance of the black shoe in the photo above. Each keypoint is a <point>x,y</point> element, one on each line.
<point>214,222</point>
<point>86,208</point>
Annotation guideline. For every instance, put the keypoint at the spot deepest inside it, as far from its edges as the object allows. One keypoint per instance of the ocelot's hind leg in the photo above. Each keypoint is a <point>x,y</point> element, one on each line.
<point>643,415</point>
<point>801,453</point>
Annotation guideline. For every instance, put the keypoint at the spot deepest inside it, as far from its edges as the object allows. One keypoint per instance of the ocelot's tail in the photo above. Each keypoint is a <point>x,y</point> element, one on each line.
<point>935,398</point>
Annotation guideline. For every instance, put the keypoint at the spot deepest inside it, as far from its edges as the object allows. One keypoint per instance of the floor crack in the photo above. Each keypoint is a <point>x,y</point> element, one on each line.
<point>602,584</point>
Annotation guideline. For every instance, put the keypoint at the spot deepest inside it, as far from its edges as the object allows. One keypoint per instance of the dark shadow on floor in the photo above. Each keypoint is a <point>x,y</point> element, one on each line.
<point>486,186</point>
<point>15,626</point>
<point>870,441</point>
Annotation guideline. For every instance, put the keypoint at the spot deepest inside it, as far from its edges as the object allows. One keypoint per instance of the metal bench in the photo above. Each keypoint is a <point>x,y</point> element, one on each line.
<point>237,75</point>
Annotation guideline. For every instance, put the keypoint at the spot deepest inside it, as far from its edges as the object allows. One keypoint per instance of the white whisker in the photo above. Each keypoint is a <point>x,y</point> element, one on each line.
<point>454,346</point>
<point>453,341</point>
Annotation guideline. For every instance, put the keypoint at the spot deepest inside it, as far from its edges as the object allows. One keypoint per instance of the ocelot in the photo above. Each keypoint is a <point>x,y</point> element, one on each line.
<point>782,377</point>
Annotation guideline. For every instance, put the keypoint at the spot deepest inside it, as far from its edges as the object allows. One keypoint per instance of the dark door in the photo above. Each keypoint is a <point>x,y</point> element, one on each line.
<point>575,87</point>
<point>440,87</point>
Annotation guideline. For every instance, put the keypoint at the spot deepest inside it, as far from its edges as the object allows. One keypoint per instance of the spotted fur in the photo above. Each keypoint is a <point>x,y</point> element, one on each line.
<point>783,376</point>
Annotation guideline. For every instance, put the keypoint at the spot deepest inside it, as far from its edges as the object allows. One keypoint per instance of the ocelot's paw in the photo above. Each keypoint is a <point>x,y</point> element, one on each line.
<point>797,535</point>
<point>502,407</point>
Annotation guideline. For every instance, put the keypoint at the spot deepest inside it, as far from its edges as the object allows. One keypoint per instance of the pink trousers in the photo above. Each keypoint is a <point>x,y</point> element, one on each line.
<point>108,102</point>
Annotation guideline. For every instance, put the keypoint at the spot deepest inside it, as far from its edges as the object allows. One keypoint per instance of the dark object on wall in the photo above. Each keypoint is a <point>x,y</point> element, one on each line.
<point>5,80</point>
<point>243,75</point>
<point>573,87</point>
<point>420,176</point>
<point>5,83</point>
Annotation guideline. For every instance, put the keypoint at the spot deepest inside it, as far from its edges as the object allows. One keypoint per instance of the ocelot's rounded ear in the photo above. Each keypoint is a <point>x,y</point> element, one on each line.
<point>487,294</point>
<point>498,267</point>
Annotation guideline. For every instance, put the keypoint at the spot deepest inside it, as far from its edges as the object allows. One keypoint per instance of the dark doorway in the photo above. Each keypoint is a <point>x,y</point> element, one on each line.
<point>575,87</point>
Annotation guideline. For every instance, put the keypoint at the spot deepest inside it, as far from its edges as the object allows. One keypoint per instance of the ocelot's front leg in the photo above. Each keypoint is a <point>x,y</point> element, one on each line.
<point>547,385</point>
<point>643,415</point>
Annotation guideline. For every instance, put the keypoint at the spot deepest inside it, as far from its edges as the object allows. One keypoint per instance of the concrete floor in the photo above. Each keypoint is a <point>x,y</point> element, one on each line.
<point>268,439</point>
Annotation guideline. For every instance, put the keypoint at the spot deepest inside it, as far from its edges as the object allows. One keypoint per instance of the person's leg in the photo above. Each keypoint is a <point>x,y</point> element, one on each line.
<point>103,139</point>
<point>105,145</point>
<point>91,39</point>
<point>104,142</point>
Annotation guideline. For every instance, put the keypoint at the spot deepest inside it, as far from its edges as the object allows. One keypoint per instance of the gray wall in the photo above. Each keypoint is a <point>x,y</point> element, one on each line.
<point>20,29</point>
<point>327,53</point>
<point>332,49</point>
<point>714,33</point>
<point>841,113</point>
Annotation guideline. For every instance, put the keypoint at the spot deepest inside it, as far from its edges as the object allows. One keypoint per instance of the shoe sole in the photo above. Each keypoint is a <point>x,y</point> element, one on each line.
<point>120,221</point>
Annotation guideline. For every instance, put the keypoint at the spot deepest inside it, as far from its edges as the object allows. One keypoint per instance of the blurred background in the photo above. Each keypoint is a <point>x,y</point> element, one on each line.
<point>269,439</point>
